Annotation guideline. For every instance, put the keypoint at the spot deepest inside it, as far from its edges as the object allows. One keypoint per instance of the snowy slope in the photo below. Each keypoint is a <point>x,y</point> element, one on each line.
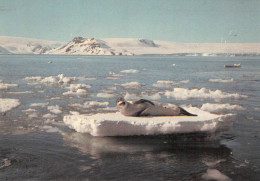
<point>122,46</point>
<point>87,46</point>
<point>138,47</point>
<point>19,45</point>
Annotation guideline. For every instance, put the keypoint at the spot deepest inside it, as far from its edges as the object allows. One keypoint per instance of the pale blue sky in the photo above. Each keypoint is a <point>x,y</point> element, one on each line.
<point>172,20</point>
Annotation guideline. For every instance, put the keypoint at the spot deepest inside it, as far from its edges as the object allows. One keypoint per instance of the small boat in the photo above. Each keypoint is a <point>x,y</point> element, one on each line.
<point>236,65</point>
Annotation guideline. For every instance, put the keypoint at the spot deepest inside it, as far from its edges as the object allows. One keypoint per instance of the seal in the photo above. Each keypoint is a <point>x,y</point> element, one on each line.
<point>144,107</point>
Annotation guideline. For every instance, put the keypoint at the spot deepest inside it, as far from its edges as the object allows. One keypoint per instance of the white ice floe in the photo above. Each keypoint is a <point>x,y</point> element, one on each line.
<point>25,92</point>
<point>169,83</point>
<point>221,108</point>
<point>222,80</point>
<point>7,104</point>
<point>213,174</point>
<point>59,79</point>
<point>165,83</point>
<point>116,124</point>
<point>129,71</point>
<point>105,95</point>
<point>55,109</point>
<point>77,89</point>
<point>203,93</point>
<point>133,85</point>
<point>6,86</point>
<point>43,104</point>
<point>90,104</point>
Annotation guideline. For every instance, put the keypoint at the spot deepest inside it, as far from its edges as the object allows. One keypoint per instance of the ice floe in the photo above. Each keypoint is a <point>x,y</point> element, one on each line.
<point>169,83</point>
<point>90,104</point>
<point>7,104</point>
<point>59,79</point>
<point>133,85</point>
<point>129,71</point>
<point>55,109</point>
<point>115,124</point>
<point>6,86</point>
<point>77,89</point>
<point>43,104</point>
<point>221,108</point>
<point>214,174</point>
<point>222,80</point>
<point>165,83</point>
<point>105,95</point>
<point>25,92</point>
<point>203,93</point>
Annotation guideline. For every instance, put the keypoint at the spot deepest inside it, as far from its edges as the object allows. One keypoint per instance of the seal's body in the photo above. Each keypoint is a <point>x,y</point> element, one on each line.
<point>144,107</point>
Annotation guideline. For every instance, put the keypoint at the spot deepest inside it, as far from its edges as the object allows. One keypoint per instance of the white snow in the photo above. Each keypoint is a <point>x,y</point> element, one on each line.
<point>222,80</point>
<point>221,108</point>
<point>121,46</point>
<point>214,174</point>
<point>7,104</point>
<point>25,92</point>
<point>134,85</point>
<point>129,71</point>
<point>203,93</point>
<point>19,45</point>
<point>6,86</point>
<point>116,124</point>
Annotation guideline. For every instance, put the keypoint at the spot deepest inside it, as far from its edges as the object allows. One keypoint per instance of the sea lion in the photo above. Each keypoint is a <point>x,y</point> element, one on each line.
<point>144,107</point>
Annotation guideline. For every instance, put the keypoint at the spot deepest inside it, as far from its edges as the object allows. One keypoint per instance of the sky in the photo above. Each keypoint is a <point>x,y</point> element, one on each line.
<point>186,21</point>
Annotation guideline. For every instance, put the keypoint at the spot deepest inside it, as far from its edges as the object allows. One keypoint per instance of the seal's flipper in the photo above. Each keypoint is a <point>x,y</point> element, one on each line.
<point>185,113</point>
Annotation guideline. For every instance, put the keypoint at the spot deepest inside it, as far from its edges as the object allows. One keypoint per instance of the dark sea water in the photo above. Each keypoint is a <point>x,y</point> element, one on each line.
<point>44,148</point>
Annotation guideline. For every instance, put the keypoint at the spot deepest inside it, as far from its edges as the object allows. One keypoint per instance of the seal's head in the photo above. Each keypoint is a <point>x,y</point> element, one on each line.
<point>120,102</point>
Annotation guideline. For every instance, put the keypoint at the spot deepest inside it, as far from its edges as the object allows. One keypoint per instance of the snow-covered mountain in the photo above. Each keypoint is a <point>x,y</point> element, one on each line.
<point>123,46</point>
<point>19,45</point>
<point>88,46</point>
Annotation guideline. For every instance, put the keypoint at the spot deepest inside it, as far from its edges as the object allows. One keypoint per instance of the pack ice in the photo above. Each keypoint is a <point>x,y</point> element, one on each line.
<point>116,124</point>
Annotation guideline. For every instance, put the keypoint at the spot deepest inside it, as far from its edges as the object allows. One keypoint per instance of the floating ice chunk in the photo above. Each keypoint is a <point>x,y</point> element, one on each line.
<point>221,108</point>
<point>6,86</point>
<point>173,64</point>
<point>222,80</point>
<point>90,104</point>
<point>184,81</point>
<point>213,174</point>
<point>134,85</point>
<point>130,71</point>
<point>8,104</point>
<point>164,83</point>
<point>131,96</point>
<point>29,110</point>
<point>203,93</point>
<point>54,109</point>
<point>78,92</point>
<point>75,87</point>
<point>39,104</point>
<point>116,124</point>
<point>113,74</point>
<point>25,92</point>
<point>105,95</point>
<point>59,79</point>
